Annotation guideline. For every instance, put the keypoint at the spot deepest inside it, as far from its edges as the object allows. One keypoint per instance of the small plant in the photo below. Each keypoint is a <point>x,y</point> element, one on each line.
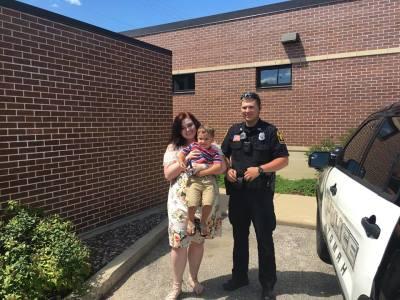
<point>40,257</point>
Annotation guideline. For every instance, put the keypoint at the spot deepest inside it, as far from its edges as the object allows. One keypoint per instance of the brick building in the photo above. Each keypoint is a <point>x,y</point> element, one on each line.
<point>85,116</point>
<point>341,62</point>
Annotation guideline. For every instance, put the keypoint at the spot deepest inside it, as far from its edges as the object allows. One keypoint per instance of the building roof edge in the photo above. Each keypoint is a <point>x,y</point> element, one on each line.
<point>230,16</point>
<point>57,18</point>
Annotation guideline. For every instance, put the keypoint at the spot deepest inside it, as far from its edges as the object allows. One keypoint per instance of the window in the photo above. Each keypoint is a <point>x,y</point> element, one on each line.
<point>354,151</point>
<point>274,76</point>
<point>382,166</point>
<point>183,83</point>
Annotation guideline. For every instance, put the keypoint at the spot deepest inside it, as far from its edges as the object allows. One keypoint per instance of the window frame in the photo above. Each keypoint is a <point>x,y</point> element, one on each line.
<point>365,153</point>
<point>184,91</point>
<point>278,85</point>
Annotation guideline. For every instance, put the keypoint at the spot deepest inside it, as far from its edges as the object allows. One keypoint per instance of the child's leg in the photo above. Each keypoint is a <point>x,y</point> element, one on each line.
<point>207,206</point>
<point>205,214</point>
<point>193,196</point>
<point>191,229</point>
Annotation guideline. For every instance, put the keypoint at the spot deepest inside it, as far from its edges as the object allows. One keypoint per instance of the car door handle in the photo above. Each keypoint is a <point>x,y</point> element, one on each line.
<point>333,189</point>
<point>371,229</point>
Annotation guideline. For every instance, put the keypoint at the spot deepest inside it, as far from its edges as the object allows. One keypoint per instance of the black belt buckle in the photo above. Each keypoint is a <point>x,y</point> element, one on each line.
<point>239,182</point>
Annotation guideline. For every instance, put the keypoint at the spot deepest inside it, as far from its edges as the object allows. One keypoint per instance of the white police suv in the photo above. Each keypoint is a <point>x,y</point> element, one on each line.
<point>358,195</point>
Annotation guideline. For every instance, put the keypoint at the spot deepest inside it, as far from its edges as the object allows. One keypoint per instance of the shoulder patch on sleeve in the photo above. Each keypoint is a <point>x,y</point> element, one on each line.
<point>280,137</point>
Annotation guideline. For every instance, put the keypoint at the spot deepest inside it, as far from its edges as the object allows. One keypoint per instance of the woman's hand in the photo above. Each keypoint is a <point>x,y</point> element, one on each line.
<point>182,164</point>
<point>193,155</point>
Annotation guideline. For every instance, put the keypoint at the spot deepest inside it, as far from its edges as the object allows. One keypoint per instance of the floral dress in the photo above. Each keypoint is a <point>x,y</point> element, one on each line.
<point>177,209</point>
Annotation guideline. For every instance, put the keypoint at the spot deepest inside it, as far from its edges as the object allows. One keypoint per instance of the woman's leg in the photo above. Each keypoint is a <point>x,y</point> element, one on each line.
<point>195,256</point>
<point>179,257</point>
<point>178,261</point>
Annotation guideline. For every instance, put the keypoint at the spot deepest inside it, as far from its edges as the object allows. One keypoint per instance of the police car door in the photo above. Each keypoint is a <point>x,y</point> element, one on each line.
<point>360,218</point>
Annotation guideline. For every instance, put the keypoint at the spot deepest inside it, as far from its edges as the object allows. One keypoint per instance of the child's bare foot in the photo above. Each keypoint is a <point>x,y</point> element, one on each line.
<point>191,228</point>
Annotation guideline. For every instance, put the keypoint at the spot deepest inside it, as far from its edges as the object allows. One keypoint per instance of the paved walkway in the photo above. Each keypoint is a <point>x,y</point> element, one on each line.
<point>301,275</point>
<point>294,210</point>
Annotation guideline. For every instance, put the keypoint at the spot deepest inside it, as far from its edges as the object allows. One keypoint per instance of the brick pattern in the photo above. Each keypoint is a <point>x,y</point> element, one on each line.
<point>326,98</point>
<point>84,121</point>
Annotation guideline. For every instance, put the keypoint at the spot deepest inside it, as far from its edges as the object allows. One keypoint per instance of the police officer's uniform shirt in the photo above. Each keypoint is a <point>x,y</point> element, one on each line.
<point>253,146</point>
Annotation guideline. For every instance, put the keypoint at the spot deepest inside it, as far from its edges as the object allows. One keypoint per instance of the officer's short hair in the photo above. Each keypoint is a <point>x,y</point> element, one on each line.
<point>206,129</point>
<point>252,96</point>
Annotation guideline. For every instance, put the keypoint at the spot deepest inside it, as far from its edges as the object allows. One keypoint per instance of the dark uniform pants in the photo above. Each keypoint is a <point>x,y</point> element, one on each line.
<point>246,206</point>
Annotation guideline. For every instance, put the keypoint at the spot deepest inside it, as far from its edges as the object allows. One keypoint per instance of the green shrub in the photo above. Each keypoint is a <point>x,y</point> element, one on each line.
<point>220,180</point>
<point>325,145</point>
<point>40,256</point>
<point>346,137</point>
<point>328,144</point>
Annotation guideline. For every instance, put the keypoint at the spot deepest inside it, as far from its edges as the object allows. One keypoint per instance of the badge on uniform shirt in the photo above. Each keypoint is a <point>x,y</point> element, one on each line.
<point>280,137</point>
<point>261,136</point>
<point>236,138</point>
<point>243,135</point>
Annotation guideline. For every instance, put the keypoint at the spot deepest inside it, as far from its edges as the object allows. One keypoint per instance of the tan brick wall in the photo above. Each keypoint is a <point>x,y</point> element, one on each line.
<point>326,98</point>
<point>84,120</point>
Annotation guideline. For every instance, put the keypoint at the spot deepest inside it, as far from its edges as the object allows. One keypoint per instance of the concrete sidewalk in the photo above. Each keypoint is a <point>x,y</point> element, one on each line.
<point>294,210</point>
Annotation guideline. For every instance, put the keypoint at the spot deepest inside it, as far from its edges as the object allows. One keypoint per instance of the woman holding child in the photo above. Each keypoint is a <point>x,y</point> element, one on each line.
<point>187,245</point>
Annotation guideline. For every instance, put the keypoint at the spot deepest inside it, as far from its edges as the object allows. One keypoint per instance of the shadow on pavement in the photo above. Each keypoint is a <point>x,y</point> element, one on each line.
<point>313,284</point>
<point>310,283</point>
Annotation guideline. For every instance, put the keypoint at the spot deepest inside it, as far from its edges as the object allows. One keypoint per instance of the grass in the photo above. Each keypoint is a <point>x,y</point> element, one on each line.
<point>305,187</point>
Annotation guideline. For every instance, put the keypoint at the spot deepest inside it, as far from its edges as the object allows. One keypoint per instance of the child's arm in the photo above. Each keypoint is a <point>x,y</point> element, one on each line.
<point>214,169</point>
<point>198,167</point>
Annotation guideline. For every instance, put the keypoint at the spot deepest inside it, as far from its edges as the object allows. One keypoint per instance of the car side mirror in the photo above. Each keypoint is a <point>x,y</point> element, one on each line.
<point>320,160</point>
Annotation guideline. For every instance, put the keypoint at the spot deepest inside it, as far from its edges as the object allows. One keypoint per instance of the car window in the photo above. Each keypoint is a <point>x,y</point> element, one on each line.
<point>382,166</point>
<point>353,153</point>
<point>393,186</point>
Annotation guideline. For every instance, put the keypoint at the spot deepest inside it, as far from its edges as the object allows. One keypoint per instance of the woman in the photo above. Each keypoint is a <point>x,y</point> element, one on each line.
<point>185,247</point>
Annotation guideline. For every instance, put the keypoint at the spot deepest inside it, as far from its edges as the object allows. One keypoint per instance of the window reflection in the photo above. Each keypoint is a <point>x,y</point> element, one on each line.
<point>269,77</point>
<point>274,76</point>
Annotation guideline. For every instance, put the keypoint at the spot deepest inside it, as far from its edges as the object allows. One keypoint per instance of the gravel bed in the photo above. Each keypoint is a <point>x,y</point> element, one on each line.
<point>109,244</point>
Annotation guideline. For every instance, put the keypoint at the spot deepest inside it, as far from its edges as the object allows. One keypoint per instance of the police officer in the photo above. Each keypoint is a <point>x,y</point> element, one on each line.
<point>255,150</point>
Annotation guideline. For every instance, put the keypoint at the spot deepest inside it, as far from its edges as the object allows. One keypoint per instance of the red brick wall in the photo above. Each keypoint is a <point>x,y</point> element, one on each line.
<point>84,120</point>
<point>326,98</point>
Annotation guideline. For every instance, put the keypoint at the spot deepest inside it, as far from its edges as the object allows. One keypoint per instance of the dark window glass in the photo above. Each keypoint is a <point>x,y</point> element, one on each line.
<point>393,187</point>
<point>274,76</point>
<point>354,150</point>
<point>382,165</point>
<point>183,83</point>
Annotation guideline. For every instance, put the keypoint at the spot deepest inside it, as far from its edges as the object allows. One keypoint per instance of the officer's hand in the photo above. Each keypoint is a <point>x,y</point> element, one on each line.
<point>231,175</point>
<point>193,155</point>
<point>251,173</point>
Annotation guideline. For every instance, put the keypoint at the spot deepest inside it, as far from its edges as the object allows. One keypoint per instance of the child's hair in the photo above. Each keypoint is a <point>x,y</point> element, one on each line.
<point>205,129</point>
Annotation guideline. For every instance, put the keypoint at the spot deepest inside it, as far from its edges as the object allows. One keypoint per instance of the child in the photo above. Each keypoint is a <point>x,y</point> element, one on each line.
<point>200,190</point>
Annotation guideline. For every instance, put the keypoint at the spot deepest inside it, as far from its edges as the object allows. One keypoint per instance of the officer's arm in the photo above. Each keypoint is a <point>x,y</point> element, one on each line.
<point>276,164</point>
<point>273,166</point>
